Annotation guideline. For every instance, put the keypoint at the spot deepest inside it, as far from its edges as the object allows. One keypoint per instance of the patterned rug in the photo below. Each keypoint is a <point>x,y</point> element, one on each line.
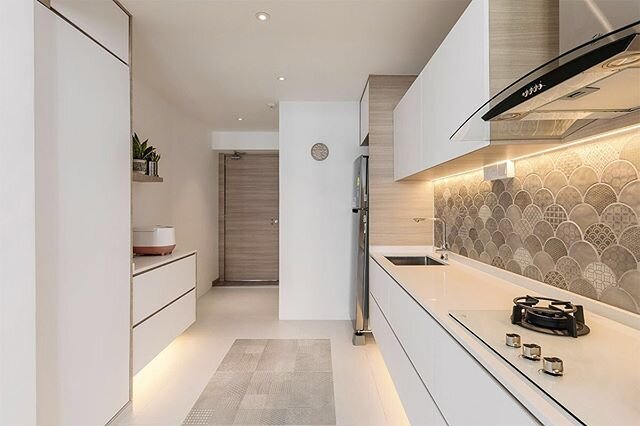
<point>270,382</point>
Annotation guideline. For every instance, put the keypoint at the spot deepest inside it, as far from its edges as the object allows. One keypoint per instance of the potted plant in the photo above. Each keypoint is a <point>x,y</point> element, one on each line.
<point>141,153</point>
<point>154,159</point>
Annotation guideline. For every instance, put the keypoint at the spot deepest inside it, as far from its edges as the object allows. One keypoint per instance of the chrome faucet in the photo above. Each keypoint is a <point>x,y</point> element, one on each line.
<point>444,248</point>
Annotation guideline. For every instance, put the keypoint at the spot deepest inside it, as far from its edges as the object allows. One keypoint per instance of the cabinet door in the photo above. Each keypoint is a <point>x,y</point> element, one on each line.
<point>83,223</point>
<point>379,284</point>
<point>455,83</point>
<point>461,382</point>
<point>364,117</point>
<point>414,329</point>
<point>418,404</point>
<point>103,20</point>
<point>407,132</point>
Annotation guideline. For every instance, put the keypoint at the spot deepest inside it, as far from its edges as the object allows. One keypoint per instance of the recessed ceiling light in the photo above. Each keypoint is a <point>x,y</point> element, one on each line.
<point>262,16</point>
<point>282,78</point>
<point>240,118</point>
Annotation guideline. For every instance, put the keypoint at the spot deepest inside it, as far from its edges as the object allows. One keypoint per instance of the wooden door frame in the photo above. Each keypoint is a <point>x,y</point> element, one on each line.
<point>222,204</point>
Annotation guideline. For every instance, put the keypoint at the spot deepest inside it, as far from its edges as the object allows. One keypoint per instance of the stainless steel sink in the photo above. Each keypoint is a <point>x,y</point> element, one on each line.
<point>414,261</point>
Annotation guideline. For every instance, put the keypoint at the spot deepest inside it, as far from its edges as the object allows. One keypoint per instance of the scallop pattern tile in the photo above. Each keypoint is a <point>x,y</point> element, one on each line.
<point>619,259</point>
<point>583,177</point>
<point>598,156</point>
<point>543,230</point>
<point>571,219</point>
<point>569,197</point>
<point>555,248</point>
<point>532,214</point>
<point>569,233</point>
<point>584,215</point>
<point>618,174</point>
<point>600,276</point>
<point>555,215</point>
<point>569,269</point>
<point>600,236</point>
<point>630,239</point>
<point>543,198</point>
<point>600,196</point>
<point>555,181</point>
<point>619,217</point>
<point>555,279</point>
<point>522,199</point>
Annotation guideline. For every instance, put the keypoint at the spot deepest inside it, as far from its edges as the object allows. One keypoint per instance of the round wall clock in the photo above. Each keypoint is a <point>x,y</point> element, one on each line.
<point>319,151</point>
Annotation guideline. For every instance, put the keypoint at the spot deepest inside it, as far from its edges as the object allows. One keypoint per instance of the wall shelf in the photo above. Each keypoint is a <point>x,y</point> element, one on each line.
<point>138,177</point>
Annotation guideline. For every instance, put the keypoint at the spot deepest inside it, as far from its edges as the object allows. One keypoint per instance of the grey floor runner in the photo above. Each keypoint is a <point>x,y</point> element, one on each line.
<point>270,382</point>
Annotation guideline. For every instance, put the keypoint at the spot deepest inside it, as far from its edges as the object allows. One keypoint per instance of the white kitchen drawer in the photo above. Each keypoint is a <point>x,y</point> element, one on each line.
<point>463,383</point>
<point>158,287</point>
<point>379,284</point>
<point>153,335</point>
<point>414,329</point>
<point>418,405</point>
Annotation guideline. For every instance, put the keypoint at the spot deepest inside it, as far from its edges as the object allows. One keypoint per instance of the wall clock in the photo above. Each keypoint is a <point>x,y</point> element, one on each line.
<point>319,151</point>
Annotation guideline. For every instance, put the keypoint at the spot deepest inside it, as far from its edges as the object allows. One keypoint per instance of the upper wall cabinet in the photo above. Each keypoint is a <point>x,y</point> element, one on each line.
<point>102,20</point>
<point>407,132</point>
<point>493,43</point>
<point>364,117</point>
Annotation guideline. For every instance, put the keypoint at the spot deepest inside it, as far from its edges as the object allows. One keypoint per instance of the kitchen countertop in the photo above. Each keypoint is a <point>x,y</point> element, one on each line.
<point>459,286</point>
<point>145,263</point>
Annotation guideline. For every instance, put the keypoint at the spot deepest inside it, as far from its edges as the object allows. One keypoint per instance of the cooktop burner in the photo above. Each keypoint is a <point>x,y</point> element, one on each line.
<point>557,317</point>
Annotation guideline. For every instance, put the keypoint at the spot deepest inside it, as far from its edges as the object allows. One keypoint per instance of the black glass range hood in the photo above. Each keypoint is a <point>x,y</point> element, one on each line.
<point>598,80</point>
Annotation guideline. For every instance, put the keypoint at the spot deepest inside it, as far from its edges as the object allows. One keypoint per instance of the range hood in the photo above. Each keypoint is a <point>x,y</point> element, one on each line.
<point>599,80</point>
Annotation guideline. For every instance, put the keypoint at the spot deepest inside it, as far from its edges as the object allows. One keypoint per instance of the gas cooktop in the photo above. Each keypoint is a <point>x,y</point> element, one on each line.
<point>556,317</point>
<point>601,366</point>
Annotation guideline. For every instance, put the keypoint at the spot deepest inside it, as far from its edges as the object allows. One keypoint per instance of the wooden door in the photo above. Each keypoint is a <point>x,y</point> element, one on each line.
<point>251,218</point>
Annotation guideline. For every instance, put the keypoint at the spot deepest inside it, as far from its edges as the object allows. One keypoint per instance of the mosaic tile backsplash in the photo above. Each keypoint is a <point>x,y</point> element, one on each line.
<point>570,218</point>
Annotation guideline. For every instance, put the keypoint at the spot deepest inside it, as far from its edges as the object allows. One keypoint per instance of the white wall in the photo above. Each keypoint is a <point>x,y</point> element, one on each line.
<point>188,197</point>
<point>246,141</point>
<point>17,215</point>
<point>315,209</point>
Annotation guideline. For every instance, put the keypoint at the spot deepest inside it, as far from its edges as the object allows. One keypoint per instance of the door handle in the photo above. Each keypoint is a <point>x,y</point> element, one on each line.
<point>274,221</point>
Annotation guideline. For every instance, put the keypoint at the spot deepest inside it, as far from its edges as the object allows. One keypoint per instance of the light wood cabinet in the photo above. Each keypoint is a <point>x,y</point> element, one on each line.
<point>364,117</point>
<point>454,386</point>
<point>493,43</point>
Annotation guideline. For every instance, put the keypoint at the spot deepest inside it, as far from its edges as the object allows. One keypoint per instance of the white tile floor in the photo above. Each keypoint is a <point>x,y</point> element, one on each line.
<point>165,390</point>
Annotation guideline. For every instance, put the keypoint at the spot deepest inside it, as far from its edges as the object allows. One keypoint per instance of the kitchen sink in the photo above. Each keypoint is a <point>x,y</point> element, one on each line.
<point>414,261</point>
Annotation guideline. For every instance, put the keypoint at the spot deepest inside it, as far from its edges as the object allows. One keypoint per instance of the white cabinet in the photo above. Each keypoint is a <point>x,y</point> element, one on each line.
<point>102,20</point>
<point>364,117</point>
<point>407,132</point>
<point>164,305</point>
<point>453,384</point>
<point>418,404</point>
<point>83,224</point>
<point>455,84</point>
<point>493,43</point>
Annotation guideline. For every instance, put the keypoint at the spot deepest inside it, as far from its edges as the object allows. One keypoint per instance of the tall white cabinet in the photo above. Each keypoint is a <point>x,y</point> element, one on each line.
<point>83,215</point>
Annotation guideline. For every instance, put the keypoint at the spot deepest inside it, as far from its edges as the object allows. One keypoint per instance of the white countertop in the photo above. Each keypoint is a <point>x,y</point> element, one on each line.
<point>458,286</point>
<point>145,263</point>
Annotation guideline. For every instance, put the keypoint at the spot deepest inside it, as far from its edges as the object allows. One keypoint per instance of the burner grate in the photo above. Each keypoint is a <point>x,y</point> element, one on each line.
<point>558,317</point>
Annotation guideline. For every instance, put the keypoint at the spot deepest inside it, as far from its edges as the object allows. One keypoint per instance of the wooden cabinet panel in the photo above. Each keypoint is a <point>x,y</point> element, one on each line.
<point>103,20</point>
<point>407,132</point>
<point>418,405</point>
<point>154,289</point>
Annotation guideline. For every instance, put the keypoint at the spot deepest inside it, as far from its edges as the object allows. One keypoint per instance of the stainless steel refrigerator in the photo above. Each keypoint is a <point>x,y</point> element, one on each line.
<point>360,209</point>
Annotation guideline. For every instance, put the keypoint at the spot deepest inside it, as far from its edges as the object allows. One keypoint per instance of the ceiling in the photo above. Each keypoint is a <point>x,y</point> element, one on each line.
<point>216,61</point>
